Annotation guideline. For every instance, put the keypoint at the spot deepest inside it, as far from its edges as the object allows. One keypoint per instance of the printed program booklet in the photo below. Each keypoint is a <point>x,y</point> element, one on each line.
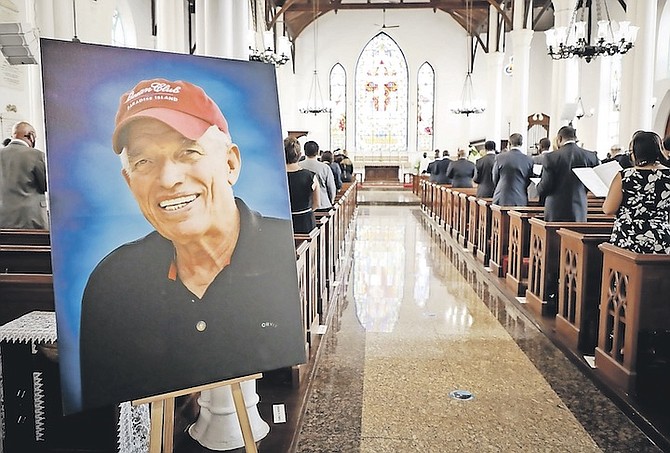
<point>598,179</point>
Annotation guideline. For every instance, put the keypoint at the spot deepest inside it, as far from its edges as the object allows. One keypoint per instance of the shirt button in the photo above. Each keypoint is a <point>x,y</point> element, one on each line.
<point>200,326</point>
<point>193,301</point>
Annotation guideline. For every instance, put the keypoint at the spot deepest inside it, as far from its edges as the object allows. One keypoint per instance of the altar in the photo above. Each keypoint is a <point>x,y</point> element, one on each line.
<point>382,173</point>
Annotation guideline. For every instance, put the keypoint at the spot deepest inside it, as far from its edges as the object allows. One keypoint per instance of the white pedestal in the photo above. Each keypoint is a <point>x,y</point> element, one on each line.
<point>218,427</point>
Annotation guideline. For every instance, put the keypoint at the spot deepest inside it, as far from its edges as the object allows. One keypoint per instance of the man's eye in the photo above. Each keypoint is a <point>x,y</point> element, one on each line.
<point>191,153</point>
<point>141,163</point>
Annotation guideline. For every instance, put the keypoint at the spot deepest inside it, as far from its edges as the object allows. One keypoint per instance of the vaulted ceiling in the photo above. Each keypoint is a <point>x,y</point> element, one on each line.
<point>472,15</point>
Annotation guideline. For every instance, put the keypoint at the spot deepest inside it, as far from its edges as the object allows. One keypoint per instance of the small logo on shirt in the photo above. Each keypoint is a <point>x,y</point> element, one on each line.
<point>266,324</point>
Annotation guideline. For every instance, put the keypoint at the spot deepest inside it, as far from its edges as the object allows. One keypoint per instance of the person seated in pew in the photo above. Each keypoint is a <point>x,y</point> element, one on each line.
<point>303,188</point>
<point>461,171</point>
<point>640,199</point>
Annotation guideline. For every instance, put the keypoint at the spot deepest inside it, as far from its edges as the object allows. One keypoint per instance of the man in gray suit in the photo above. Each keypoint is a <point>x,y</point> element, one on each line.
<point>512,171</point>
<point>23,181</point>
<point>564,193</point>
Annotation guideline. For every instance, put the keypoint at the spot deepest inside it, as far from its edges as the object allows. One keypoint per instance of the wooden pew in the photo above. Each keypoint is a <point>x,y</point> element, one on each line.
<point>473,218</point>
<point>519,247</point>
<point>634,300</point>
<point>544,256</point>
<point>483,230</point>
<point>23,293</point>
<point>580,270</point>
<point>13,236</point>
<point>500,223</point>
<point>326,219</point>
<point>311,283</point>
<point>26,259</point>
<point>464,214</point>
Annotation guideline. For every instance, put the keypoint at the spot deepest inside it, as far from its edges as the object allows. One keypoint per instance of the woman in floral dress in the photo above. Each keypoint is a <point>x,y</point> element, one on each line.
<point>640,198</point>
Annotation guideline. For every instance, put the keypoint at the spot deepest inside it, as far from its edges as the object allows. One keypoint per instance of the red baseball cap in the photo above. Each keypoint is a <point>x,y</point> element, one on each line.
<point>181,105</point>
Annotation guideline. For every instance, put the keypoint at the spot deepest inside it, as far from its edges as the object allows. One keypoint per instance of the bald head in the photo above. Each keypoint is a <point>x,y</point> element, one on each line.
<point>24,131</point>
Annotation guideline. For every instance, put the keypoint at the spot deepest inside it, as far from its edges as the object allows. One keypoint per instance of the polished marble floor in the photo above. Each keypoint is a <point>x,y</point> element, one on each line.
<point>426,356</point>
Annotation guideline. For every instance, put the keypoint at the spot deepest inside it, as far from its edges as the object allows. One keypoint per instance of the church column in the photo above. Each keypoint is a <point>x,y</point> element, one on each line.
<point>63,16</point>
<point>521,38</point>
<point>170,25</point>
<point>637,81</point>
<point>564,80</point>
<point>222,28</point>
<point>496,59</point>
<point>240,30</point>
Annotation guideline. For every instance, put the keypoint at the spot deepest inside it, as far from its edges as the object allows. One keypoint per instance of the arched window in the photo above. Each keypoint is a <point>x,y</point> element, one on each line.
<point>615,97</point>
<point>381,101</point>
<point>338,101</point>
<point>425,108</point>
<point>118,34</point>
<point>123,25</point>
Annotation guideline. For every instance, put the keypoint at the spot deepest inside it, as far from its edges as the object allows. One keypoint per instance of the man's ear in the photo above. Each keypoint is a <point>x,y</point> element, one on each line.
<point>234,164</point>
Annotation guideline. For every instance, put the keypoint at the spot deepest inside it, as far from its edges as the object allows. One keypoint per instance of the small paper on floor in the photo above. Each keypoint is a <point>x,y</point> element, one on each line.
<point>521,300</point>
<point>278,413</point>
<point>321,329</point>
<point>591,360</point>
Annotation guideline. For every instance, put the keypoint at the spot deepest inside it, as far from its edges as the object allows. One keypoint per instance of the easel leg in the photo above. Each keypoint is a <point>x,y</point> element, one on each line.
<point>156,432</point>
<point>247,434</point>
<point>168,425</point>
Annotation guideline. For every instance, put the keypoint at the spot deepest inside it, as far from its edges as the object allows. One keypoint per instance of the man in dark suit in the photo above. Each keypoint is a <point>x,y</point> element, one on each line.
<point>484,171</point>
<point>23,181</point>
<point>431,170</point>
<point>511,174</point>
<point>544,148</point>
<point>564,193</point>
<point>461,171</point>
<point>441,168</point>
<point>618,155</point>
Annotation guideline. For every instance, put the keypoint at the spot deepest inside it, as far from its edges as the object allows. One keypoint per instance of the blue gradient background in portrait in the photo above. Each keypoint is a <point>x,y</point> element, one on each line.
<point>92,211</point>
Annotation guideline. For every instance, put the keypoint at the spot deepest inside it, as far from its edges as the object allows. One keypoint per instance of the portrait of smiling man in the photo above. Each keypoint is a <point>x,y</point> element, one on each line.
<point>211,293</point>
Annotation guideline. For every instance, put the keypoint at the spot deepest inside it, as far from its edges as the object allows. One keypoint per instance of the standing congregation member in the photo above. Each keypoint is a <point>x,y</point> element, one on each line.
<point>511,174</point>
<point>441,168</point>
<point>431,169</point>
<point>484,171</point>
<point>198,299</point>
<point>640,199</point>
<point>23,181</point>
<point>323,173</point>
<point>544,148</point>
<point>563,193</point>
<point>303,188</point>
<point>327,158</point>
<point>461,171</point>
<point>618,155</point>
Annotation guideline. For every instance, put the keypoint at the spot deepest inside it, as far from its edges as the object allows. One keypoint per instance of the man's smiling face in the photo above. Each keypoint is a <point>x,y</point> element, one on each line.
<point>183,187</point>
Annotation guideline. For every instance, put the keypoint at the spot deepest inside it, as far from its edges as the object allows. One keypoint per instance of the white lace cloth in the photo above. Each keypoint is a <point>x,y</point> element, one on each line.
<point>39,327</point>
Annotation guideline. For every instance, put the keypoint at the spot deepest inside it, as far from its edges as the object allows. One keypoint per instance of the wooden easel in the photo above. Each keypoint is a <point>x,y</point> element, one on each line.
<point>162,414</point>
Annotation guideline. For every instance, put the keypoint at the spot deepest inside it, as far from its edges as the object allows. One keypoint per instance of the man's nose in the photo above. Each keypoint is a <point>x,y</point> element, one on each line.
<point>171,173</point>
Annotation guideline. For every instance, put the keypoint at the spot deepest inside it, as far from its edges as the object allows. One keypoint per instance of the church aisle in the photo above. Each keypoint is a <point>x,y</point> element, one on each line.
<point>413,329</point>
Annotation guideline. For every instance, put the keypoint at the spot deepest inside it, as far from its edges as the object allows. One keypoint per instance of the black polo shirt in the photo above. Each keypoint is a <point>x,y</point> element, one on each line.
<point>144,333</point>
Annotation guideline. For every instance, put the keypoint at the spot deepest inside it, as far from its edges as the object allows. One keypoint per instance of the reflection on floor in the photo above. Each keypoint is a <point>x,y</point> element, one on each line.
<point>419,329</point>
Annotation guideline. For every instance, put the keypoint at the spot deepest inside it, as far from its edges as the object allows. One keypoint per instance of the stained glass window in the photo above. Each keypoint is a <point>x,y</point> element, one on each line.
<point>425,108</point>
<point>338,102</point>
<point>381,101</point>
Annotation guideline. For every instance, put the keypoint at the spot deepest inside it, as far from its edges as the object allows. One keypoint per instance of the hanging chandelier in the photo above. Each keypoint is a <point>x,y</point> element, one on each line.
<point>576,40</point>
<point>314,103</point>
<point>469,104</point>
<point>268,54</point>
